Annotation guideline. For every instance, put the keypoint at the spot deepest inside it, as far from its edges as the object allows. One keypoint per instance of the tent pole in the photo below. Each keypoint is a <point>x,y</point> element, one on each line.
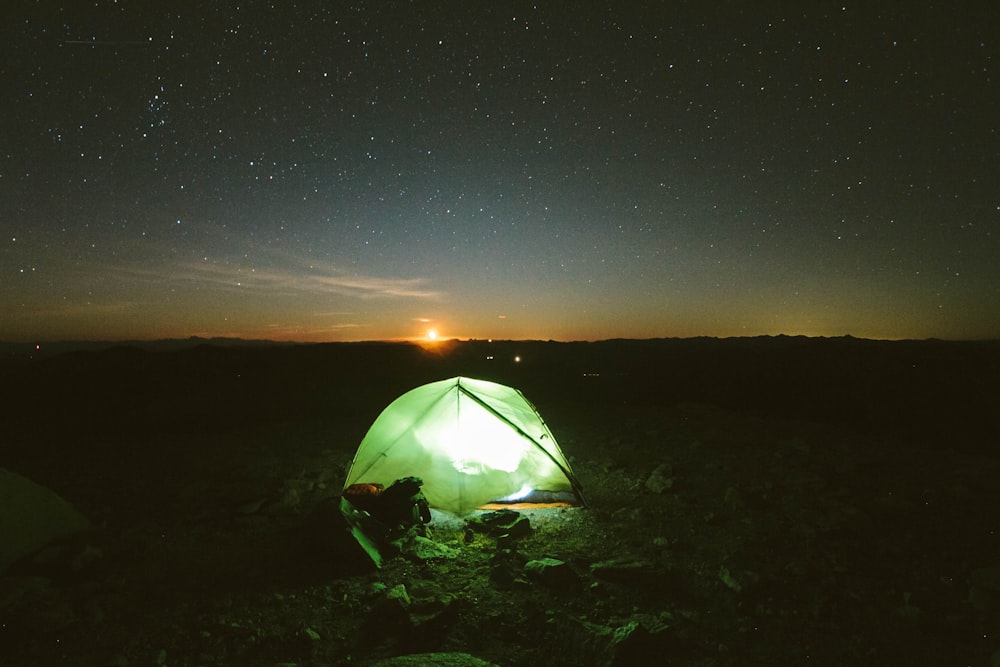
<point>577,488</point>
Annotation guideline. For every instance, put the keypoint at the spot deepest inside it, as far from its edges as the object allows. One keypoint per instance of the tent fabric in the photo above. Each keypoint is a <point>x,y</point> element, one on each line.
<point>470,441</point>
<point>31,516</point>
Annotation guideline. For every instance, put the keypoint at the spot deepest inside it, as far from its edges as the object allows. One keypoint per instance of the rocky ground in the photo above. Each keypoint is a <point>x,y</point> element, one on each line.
<point>715,534</point>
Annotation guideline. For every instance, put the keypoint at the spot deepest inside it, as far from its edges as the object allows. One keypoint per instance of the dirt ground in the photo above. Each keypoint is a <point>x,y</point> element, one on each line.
<point>774,529</point>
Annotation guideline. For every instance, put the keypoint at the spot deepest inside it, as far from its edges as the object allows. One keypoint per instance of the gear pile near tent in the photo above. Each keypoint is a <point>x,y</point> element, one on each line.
<point>470,441</point>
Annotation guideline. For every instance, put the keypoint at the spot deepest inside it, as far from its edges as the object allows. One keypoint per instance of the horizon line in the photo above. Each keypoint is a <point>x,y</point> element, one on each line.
<point>431,343</point>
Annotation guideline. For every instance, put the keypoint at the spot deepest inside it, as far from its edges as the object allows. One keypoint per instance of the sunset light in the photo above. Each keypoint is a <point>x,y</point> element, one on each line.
<point>674,186</point>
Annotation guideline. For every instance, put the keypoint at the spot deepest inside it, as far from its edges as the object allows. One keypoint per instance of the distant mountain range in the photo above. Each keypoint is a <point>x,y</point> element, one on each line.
<point>24,350</point>
<point>37,350</point>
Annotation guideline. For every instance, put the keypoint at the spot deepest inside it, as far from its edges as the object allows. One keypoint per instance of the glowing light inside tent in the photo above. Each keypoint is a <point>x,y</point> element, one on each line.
<point>470,441</point>
<point>494,446</point>
<point>523,492</point>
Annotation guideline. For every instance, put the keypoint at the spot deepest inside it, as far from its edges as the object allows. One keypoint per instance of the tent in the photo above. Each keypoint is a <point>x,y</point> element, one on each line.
<point>470,441</point>
<point>31,516</point>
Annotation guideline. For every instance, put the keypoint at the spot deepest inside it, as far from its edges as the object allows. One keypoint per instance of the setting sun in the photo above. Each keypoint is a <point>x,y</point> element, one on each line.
<point>432,334</point>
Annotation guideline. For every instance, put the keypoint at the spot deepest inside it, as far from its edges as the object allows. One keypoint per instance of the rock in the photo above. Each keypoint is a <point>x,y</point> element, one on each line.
<point>290,498</point>
<point>625,570</point>
<point>660,479</point>
<point>501,522</point>
<point>506,542</point>
<point>640,573</point>
<point>417,624</point>
<point>624,642</point>
<point>506,567</point>
<point>729,580</point>
<point>32,516</point>
<point>430,622</point>
<point>422,548</point>
<point>251,506</point>
<point>398,593</point>
<point>386,618</point>
<point>434,660</point>
<point>629,644</point>
<point>552,573</point>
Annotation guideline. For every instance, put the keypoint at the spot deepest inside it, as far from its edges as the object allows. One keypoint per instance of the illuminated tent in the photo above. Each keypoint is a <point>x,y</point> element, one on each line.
<point>470,441</point>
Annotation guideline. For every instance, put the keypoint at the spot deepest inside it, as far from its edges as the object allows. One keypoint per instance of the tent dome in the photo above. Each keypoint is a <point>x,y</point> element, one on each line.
<point>470,441</point>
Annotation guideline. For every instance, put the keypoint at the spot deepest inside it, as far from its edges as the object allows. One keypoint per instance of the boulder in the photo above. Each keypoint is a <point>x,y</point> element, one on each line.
<point>660,479</point>
<point>635,572</point>
<point>399,594</point>
<point>501,522</point>
<point>552,573</point>
<point>420,548</point>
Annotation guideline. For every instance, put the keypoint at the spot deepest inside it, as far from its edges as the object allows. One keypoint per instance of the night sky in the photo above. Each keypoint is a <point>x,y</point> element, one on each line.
<point>330,171</point>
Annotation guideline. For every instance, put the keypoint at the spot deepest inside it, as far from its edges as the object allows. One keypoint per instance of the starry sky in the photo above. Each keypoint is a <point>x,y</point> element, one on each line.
<point>325,171</point>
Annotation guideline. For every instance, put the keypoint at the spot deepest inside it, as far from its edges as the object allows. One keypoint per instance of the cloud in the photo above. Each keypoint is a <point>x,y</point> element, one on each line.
<point>310,280</point>
<point>73,310</point>
<point>332,313</point>
<point>301,332</point>
<point>366,286</point>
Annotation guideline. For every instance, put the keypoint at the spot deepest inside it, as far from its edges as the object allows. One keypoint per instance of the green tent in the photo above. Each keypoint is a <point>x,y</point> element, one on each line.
<point>32,516</point>
<point>470,441</point>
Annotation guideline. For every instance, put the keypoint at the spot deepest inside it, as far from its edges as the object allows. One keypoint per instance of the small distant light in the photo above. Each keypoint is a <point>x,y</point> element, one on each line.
<point>517,359</point>
<point>38,347</point>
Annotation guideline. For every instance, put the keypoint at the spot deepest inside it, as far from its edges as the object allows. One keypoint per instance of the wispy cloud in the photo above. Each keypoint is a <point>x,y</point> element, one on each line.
<point>304,332</point>
<point>310,279</point>
<point>332,313</point>
<point>72,310</point>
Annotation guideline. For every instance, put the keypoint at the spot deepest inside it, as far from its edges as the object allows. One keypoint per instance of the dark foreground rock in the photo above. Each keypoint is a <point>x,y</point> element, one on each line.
<point>725,525</point>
